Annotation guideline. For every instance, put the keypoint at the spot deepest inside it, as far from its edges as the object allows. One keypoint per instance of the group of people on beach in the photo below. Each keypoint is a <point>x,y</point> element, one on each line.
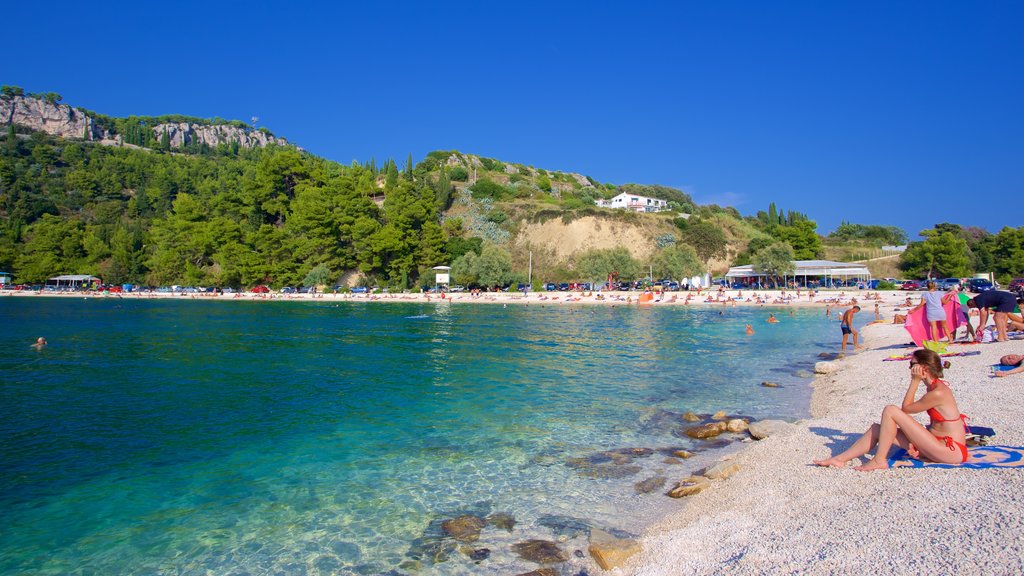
<point>944,440</point>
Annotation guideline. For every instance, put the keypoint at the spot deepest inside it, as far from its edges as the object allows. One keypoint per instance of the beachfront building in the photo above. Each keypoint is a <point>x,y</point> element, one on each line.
<point>73,281</point>
<point>635,203</point>
<point>806,273</point>
<point>5,279</point>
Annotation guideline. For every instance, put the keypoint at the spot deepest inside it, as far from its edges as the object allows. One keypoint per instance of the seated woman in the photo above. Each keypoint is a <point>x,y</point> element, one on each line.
<point>1010,360</point>
<point>943,441</point>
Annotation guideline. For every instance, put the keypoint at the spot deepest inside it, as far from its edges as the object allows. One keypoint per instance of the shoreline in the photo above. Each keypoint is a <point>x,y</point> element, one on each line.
<point>729,298</point>
<point>781,514</point>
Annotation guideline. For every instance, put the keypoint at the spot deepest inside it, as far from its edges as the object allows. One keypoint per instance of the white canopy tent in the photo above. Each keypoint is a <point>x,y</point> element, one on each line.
<point>825,271</point>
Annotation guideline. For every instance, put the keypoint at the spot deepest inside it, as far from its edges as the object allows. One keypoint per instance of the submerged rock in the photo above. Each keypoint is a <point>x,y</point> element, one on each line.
<point>480,554</point>
<point>501,520</point>
<point>609,472</point>
<point>650,485</point>
<point>691,417</point>
<point>566,526</point>
<point>540,572</point>
<point>464,528</point>
<point>540,551</point>
<point>709,430</point>
<point>632,452</point>
<point>720,415</point>
<point>770,384</point>
<point>684,454</point>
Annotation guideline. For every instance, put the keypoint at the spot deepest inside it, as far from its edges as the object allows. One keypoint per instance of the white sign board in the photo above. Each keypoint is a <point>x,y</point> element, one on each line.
<point>442,278</point>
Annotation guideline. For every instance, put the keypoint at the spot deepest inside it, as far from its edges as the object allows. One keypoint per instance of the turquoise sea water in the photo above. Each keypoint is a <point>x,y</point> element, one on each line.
<point>324,437</point>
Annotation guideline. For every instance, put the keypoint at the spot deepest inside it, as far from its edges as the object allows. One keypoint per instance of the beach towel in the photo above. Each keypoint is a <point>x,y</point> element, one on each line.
<point>917,322</point>
<point>946,355</point>
<point>979,457</point>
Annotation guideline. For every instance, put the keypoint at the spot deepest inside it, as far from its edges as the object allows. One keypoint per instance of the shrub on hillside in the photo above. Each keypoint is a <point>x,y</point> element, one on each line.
<point>486,188</point>
<point>458,174</point>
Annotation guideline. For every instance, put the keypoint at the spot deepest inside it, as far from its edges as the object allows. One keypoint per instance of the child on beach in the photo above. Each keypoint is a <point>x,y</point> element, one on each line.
<point>944,440</point>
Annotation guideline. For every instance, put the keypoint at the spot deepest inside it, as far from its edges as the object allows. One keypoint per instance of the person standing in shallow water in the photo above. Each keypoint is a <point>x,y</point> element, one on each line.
<point>846,325</point>
<point>944,440</point>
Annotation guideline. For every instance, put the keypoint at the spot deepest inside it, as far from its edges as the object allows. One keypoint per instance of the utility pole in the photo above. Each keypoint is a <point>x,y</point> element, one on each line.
<point>529,275</point>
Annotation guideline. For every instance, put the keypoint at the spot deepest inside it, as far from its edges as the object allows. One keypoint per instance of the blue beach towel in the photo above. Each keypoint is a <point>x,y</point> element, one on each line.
<point>979,457</point>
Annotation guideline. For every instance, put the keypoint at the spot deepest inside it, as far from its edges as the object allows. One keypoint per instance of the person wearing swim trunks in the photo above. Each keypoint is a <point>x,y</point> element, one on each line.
<point>944,440</point>
<point>846,325</point>
<point>1001,303</point>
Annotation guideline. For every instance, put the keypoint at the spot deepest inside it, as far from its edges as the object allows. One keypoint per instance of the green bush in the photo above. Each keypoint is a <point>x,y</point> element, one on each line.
<point>885,285</point>
<point>485,188</point>
<point>458,174</point>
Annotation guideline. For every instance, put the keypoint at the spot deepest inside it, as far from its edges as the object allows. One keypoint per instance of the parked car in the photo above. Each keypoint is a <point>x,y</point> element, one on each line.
<point>947,283</point>
<point>563,287</point>
<point>457,288</point>
<point>550,287</point>
<point>287,290</point>
<point>359,290</point>
<point>260,289</point>
<point>911,285</point>
<point>1016,285</point>
<point>979,285</point>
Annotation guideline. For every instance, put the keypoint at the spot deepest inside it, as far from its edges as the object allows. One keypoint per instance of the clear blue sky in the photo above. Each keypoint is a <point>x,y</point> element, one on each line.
<point>893,113</point>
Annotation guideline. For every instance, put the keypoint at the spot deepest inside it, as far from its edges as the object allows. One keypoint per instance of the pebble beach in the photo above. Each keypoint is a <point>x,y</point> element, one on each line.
<point>780,514</point>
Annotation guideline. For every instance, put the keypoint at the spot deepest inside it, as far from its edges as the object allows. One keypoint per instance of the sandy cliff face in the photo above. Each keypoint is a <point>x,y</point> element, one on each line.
<point>56,119</point>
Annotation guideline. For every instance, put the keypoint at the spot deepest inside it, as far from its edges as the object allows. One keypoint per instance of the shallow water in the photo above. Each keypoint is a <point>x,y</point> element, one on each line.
<point>322,437</point>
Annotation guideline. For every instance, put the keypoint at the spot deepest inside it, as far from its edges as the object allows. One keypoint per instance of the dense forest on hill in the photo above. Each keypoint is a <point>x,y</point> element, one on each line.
<point>151,213</point>
<point>272,215</point>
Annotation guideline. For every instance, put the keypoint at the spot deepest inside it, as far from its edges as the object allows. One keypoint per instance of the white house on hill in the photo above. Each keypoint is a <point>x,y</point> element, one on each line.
<point>634,202</point>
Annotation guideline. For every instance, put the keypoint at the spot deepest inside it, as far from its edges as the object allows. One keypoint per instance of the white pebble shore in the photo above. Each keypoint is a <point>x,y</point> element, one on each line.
<point>780,514</point>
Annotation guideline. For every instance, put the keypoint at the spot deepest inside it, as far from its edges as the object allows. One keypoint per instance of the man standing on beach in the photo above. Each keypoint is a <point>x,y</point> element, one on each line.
<point>846,325</point>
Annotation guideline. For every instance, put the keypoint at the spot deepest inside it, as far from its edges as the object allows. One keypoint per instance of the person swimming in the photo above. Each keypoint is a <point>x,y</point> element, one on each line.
<point>39,343</point>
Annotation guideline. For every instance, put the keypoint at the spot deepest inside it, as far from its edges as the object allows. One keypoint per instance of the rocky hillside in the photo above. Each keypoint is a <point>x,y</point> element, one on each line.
<point>48,115</point>
<point>51,117</point>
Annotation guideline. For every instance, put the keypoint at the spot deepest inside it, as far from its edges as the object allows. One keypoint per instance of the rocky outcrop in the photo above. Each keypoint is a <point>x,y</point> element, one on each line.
<point>180,134</point>
<point>69,122</point>
<point>50,117</point>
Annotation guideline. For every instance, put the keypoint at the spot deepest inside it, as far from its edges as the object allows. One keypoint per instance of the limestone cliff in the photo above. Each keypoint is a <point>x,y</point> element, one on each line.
<point>183,133</point>
<point>69,122</point>
<point>50,117</point>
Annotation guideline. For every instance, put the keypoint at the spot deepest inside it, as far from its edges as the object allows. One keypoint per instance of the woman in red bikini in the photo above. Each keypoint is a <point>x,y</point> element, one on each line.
<point>943,441</point>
